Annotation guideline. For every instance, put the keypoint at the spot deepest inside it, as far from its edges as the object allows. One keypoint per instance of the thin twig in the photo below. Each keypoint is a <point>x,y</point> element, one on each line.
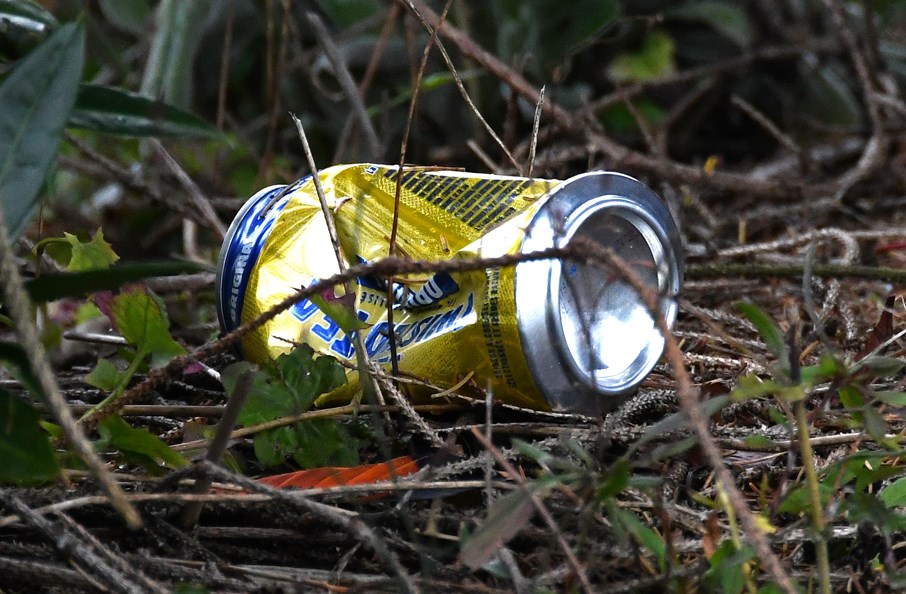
<point>877,273</point>
<point>536,123</point>
<point>397,194</point>
<point>341,71</point>
<point>84,555</point>
<point>198,199</point>
<point>368,384</point>
<point>433,23</point>
<point>349,521</point>
<point>220,441</point>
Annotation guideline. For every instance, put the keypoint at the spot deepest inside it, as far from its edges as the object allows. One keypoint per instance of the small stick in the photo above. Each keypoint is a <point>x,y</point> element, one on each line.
<point>536,124</point>
<point>221,439</point>
<point>341,71</point>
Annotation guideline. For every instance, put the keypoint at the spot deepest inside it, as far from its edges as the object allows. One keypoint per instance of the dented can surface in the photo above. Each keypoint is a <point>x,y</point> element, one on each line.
<point>546,334</point>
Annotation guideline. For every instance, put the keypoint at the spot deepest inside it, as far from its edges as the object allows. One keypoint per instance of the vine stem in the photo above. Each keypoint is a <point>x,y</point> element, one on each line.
<point>815,505</point>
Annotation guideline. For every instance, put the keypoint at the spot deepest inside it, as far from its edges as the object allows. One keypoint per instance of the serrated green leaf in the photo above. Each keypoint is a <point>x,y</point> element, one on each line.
<point>725,573</point>
<point>289,387</point>
<point>274,446</point>
<point>142,320</point>
<point>726,18</point>
<point>768,330</point>
<point>49,287</point>
<point>37,97</point>
<point>140,445</point>
<point>24,446</point>
<point>324,442</point>
<point>894,494</point>
<point>105,376</point>
<point>653,61</point>
<point>867,507</point>
<point>91,255</point>
<point>116,111</point>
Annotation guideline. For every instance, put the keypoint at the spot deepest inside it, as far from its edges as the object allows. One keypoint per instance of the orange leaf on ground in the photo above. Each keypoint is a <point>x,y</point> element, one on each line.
<point>335,476</point>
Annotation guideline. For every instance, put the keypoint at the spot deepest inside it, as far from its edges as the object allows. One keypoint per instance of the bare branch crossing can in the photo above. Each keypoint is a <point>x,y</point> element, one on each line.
<point>544,334</point>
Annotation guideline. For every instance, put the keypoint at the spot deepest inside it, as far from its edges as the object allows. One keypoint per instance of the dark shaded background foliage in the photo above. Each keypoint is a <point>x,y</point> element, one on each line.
<point>720,87</point>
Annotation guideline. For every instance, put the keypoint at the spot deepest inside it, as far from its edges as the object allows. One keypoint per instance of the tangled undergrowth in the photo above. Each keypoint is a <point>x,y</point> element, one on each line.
<point>763,454</point>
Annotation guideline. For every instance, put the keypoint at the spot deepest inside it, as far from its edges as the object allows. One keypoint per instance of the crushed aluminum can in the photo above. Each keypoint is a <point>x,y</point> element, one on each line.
<point>546,334</point>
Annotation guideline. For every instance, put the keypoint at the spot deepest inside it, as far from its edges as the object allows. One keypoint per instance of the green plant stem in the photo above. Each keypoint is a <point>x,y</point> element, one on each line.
<point>125,378</point>
<point>817,508</point>
<point>706,271</point>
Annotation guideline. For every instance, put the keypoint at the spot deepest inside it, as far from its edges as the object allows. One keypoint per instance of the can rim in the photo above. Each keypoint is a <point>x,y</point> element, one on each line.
<point>225,247</point>
<point>550,349</point>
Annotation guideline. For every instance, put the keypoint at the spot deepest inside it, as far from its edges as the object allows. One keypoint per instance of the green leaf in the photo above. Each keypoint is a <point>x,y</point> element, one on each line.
<point>138,445</point>
<point>874,423</point>
<point>348,12</point>
<point>725,573</point>
<point>769,332</point>
<point>24,446</point>
<point>169,69</point>
<point>128,15</point>
<point>751,386</point>
<point>142,320</point>
<point>727,18</point>
<point>37,97</point>
<point>894,494</point>
<point>891,397</point>
<point>758,441</point>
<point>289,387</point>
<point>653,61</point>
<point>91,255</point>
<point>645,536</point>
<point>49,287</point>
<point>614,481</point>
<point>324,442</point>
<point>851,397</point>
<point>116,111</point>
<point>104,376</point>
<point>882,366</point>
<point>827,368</point>
<point>25,14</point>
<point>829,96</point>
<point>339,309</point>
<point>506,517</point>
